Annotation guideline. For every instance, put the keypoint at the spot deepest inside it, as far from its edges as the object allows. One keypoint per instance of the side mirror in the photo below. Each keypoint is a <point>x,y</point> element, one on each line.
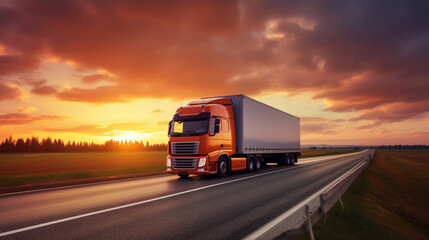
<point>169,128</point>
<point>214,126</point>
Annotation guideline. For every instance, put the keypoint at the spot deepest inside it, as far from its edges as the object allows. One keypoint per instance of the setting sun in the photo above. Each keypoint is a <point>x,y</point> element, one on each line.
<point>129,136</point>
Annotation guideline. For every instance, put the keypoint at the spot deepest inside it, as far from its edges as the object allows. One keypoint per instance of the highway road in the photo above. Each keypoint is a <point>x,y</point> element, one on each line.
<point>167,207</point>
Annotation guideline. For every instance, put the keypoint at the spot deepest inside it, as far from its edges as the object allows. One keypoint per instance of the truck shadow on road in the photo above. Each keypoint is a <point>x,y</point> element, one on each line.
<point>234,175</point>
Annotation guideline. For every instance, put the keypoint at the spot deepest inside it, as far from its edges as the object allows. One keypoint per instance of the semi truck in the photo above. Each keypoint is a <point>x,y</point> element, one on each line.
<point>218,135</point>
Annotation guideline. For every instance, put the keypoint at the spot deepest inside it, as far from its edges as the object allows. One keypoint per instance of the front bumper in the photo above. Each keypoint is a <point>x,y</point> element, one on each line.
<point>206,169</point>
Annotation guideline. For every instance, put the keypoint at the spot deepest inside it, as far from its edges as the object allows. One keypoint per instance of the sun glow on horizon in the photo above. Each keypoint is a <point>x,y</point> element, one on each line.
<point>129,136</point>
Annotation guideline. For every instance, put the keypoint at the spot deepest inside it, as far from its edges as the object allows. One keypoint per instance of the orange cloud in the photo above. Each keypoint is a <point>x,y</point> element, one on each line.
<point>305,119</point>
<point>395,112</point>
<point>40,87</point>
<point>8,92</point>
<point>316,128</point>
<point>319,125</point>
<point>162,123</point>
<point>25,118</point>
<point>204,48</point>
<point>90,79</point>
<point>107,130</point>
<point>44,90</point>
<point>157,111</point>
<point>102,94</point>
<point>10,64</point>
<point>421,134</point>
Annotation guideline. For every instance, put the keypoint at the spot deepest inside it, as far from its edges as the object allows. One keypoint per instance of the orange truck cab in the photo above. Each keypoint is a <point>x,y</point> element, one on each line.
<point>203,139</point>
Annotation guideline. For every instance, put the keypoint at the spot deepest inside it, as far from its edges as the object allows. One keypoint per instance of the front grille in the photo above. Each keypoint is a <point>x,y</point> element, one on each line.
<point>185,147</point>
<point>184,163</point>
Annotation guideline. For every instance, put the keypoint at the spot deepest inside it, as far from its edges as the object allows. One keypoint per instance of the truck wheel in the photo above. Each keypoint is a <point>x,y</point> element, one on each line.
<point>222,167</point>
<point>258,163</point>
<point>250,163</point>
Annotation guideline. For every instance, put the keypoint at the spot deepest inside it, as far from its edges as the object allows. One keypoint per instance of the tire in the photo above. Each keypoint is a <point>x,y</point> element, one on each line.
<point>293,159</point>
<point>289,159</point>
<point>183,175</point>
<point>258,163</point>
<point>222,167</point>
<point>250,163</point>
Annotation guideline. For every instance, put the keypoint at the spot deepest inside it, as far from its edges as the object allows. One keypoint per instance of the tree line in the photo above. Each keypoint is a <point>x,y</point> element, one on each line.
<point>405,147</point>
<point>33,144</point>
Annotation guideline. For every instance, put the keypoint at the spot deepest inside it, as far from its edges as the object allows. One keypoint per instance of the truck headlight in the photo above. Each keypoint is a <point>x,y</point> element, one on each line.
<point>202,162</point>
<point>168,162</point>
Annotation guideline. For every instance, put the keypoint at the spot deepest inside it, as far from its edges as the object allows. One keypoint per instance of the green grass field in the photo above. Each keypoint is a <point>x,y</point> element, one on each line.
<point>31,168</point>
<point>389,200</point>
<point>20,169</point>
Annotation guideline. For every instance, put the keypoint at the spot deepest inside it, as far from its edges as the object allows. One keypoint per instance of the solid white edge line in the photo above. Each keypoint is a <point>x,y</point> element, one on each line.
<point>259,232</point>
<point>145,201</point>
<point>332,157</point>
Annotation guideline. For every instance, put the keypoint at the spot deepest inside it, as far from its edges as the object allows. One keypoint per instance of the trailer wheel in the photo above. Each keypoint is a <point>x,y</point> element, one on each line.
<point>293,159</point>
<point>258,163</point>
<point>222,167</point>
<point>290,159</point>
<point>250,163</point>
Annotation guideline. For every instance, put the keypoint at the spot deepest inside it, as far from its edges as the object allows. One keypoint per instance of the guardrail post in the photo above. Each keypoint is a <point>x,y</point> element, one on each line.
<point>310,229</point>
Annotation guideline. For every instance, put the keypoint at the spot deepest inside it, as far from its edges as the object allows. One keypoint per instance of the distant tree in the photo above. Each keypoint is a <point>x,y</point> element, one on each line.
<point>47,145</point>
<point>35,145</point>
<point>20,145</point>
<point>27,145</point>
<point>57,145</point>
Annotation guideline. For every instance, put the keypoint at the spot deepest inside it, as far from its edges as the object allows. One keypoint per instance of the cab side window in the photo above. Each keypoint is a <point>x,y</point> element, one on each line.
<point>225,125</point>
<point>212,125</point>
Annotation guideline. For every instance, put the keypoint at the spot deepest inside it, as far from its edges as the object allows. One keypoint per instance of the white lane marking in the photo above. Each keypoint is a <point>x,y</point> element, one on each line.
<point>84,184</point>
<point>144,201</point>
<point>259,232</point>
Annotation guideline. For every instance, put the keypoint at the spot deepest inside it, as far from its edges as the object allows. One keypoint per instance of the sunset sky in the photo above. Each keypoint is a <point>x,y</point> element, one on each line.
<point>356,72</point>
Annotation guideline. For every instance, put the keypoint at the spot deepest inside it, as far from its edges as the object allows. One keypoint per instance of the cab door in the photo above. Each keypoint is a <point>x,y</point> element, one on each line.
<point>225,135</point>
<point>220,140</point>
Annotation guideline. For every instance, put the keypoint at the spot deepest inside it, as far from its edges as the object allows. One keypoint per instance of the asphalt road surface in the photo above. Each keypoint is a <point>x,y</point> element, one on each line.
<point>167,207</point>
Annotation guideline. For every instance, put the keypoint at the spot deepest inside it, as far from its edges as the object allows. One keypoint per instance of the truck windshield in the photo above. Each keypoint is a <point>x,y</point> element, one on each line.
<point>189,127</point>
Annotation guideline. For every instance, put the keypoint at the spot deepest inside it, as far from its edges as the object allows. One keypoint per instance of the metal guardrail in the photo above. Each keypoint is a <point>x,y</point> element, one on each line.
<point>304,214</point>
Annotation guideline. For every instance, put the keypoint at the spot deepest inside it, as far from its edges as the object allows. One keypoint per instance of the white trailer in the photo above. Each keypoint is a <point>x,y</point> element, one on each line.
<point>262,129</point>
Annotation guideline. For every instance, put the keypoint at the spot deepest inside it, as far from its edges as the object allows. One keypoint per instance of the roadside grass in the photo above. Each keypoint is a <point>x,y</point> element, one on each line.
<point>33,168</point>
<point>389,200</point>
